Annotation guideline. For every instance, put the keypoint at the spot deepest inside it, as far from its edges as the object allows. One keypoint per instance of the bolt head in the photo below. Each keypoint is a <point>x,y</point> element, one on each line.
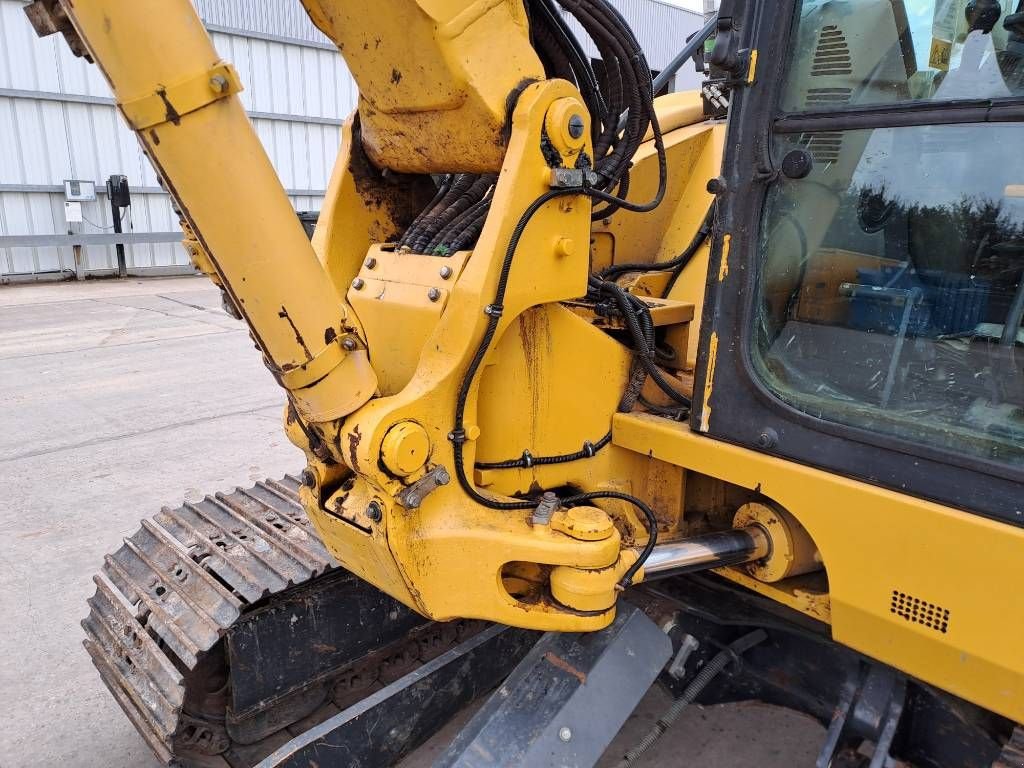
<point>768,438</point>
<point>219,83</point>
<point>374,512</point>
<point>717,186</point>
<point>434,294</point>
<point>576,126</point>
<point>446,272</point>
<point>308,478</point>
<point>349,344</point>
<point>565,733</point>
<point>565,247</point>
<point>413,500</point>
<point>370,263</point>
<point>358,283</point>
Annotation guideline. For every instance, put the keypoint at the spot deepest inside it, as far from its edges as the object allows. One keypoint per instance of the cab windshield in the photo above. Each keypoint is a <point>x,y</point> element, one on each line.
<point>850,53</point>
<point>890,291</point>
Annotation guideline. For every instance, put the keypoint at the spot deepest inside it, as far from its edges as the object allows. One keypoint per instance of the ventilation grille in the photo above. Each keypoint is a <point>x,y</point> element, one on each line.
<point>824,147</point>
<point>828,97</point>
<point>919,611</point>
<point>832,56</point>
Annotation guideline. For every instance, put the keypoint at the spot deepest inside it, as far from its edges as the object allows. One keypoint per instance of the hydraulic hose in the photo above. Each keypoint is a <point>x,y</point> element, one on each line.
<point>710,671</point>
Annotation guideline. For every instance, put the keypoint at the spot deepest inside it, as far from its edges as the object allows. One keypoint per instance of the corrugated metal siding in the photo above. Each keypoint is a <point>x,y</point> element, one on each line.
<point>281,18</point>
<point>46,140</point>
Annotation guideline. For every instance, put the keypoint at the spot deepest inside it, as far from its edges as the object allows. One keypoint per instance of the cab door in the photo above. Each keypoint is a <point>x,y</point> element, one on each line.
<point>865,295</point>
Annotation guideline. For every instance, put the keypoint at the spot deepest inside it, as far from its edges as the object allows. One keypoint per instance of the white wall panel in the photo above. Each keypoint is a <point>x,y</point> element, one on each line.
<point>44,141</point>
<point>292,75</point>
<point>283,18</point>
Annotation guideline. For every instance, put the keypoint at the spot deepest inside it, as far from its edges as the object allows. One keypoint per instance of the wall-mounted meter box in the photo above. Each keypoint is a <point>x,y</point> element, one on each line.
<point>79,191</point>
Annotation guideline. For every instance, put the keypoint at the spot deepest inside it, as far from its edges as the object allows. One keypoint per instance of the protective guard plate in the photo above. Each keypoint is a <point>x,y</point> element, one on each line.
<point>566,700</point>
<point>382,728</point>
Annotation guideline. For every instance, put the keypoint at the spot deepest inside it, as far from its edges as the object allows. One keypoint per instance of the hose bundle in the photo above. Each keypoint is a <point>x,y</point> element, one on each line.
<point>621,105</point>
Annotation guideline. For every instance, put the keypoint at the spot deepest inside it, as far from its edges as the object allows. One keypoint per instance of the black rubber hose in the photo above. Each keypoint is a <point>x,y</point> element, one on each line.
<point>709,672</point>
<point>433,220</point>
<point>528,460</point>
<point>643,349</point>
<point>463,195</point>
<point>431,210</point>
<point>700,236</point>
<point>458,224</point>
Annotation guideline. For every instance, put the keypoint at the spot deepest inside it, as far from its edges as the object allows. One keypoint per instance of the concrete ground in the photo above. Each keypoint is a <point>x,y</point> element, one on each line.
<point>117,398</point>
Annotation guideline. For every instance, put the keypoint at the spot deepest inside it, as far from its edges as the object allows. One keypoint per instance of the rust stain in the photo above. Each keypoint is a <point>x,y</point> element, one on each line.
<point>354,438</point>
<point>534,331</point>
<point>298,336</point>
<point>565,666</point>
<point>172,113</point>
<point>155,137</point>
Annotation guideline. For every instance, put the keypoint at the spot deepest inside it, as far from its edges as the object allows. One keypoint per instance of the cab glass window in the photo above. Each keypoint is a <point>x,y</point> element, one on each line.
<point>890,295</point>
<point>855,53</point>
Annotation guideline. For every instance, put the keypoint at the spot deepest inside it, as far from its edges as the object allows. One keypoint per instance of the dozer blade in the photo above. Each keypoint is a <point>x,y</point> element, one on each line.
<point>223,629</point>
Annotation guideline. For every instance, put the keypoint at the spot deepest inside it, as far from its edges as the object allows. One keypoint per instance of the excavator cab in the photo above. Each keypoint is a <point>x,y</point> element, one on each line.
<point>875,272</point>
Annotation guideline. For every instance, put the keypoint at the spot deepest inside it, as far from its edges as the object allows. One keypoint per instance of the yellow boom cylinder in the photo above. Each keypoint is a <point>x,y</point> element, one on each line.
<point>181,99</point>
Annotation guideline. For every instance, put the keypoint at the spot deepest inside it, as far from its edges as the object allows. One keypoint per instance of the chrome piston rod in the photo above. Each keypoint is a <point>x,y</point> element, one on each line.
<point>712,550</point>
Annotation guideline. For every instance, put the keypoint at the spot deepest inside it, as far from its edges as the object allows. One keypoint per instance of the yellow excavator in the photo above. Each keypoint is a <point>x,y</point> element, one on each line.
<point>721,389</point>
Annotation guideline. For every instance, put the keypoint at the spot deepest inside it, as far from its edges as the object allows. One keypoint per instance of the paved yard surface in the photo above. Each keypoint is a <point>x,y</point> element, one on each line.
<point>117,398</point>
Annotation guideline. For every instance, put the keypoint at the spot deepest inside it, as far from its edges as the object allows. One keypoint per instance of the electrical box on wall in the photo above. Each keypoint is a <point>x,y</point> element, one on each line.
<point>73,212</point>
<point>79,190</point>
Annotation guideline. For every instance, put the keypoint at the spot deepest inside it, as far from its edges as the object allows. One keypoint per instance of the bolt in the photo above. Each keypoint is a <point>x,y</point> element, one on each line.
<point>370,263</point>
<point>549,504</point>
<point>412,500</point>
<point>565,247</point>
<point>358,283</point>
<point>374,512</point>
<point>769,438</point>
<point>565,733</point>
<point>576,126</point>
<point>717,186</point>
<point>434,294</point>
<point>349,344</point>
<point>308,478</point>
<point>446,272</point>
<point>219,83</point>
<point>441,477</point>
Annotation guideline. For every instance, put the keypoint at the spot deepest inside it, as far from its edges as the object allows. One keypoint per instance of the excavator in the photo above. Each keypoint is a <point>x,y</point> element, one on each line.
<point>598,387</point>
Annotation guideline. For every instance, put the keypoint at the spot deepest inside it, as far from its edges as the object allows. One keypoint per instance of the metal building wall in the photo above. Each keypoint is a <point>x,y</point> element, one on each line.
<point>57,122</point>
<point>275,18</point>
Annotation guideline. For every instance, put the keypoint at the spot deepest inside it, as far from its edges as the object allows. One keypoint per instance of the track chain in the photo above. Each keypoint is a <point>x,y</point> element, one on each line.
<point>165,600</point>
